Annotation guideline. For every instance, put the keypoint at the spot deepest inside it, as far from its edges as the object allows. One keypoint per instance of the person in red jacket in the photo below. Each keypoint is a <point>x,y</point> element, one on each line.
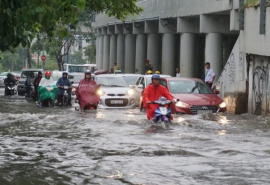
<point>151,93</point>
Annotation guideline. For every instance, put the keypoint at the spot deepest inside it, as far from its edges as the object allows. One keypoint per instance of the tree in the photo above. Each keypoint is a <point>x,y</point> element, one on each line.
<point>76,58</point>
<point>90,53</point>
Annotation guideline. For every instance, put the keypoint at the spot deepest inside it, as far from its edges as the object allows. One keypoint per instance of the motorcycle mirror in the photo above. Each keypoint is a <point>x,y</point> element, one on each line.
<point>72,82</point>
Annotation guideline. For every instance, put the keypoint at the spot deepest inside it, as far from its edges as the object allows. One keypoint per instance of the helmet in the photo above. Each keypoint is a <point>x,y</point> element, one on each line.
<point>65,72</point>
<point>9,75</point>
<point>40,73</point>
<point>47,74</point>
<point>87,72</point>
<point>155,76</point>
<point>157,72</point>
<point>149,72</point>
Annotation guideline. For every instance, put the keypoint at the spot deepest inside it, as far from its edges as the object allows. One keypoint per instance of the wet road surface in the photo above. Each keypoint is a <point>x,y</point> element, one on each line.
<point>62,146</point>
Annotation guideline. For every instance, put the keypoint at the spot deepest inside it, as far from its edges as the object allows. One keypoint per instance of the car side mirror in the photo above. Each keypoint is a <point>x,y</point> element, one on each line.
<point>132,86</point>
<point>216,91</point>
<point>140,86</point>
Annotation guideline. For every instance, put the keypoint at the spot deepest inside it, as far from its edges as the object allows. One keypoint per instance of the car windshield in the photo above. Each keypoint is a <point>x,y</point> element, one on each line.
<point>25,74</point>
<point>131,80</point>
<point>188,87</point>
<point>76,78</point>
<point>148,81</point>
<point>111,81</point>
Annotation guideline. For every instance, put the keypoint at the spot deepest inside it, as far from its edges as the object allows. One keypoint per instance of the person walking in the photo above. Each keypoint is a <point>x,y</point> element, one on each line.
<point>177,72</point>
<point>115,67</point>
<point>209,75</point>
<point>148,66</point>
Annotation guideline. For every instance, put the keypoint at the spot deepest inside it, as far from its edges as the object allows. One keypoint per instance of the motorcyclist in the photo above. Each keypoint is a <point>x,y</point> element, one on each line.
<point>64,81</point>
<point>86,91</point>
<point>36,83</point>
<point>43,92</point>
<point>29,82</point>
<point>10,79</point>
<point>151,93</point>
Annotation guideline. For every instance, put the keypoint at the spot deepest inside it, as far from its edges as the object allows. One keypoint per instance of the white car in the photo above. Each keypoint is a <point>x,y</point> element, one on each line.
<point>114,91</point>
<point>142,82</point>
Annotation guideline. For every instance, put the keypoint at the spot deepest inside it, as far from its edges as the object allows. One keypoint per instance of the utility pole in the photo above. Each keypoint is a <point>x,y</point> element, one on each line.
<point>68,45</point>
<point>43,62</point>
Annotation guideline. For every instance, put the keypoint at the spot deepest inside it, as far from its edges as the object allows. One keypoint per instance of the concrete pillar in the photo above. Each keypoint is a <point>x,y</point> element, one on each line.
<point>106,52</point>
<point>120,51</point>
<point>168,54</point>
<point>187,55</point>
<point>97,51</point>
<point>214,52</point>
<point>153,50</point>
<point>141,53</point>
<point>113,50</point>
<point>130,51</point>
<point>100,53</point>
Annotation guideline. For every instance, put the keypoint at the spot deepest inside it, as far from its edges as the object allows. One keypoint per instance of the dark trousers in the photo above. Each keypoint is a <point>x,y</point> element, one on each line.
<point>209,84</point>
<point>60,95</point>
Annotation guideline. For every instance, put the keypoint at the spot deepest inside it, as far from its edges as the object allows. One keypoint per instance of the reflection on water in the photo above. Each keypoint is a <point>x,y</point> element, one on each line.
<point>62,146</point>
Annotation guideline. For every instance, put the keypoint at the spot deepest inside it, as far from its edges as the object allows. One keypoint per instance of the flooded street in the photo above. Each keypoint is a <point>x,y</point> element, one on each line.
<point>110,146</point>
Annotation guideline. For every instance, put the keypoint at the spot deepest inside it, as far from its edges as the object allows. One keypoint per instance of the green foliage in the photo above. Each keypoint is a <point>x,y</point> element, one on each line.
<point>90,53</point>
<point>252,3</point>
<point>76,58</point>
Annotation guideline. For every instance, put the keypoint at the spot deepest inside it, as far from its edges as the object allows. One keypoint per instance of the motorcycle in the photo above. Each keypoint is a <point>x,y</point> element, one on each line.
<point>64,100</point>
<point>88,98</point>
<point>31,93</point>
<point>47,96</point>
<point>10,89</point>
<point>163,113</point>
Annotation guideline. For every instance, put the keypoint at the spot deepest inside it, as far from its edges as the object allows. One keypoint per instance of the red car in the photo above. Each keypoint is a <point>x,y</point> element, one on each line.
<point>193,96</point>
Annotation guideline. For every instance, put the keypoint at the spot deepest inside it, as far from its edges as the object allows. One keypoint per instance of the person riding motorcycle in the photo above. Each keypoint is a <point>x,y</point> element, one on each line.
<point>36,83</point>
<point>9,80</point>
<point>86,92</point>
<point>45,84</point>
<point>64,81</point>
<point>151,93</point>
<point>29,82</point>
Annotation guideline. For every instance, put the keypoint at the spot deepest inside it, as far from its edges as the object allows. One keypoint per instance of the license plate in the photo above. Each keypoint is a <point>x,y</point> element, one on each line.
<point>204,111</point>
<point>117,101</point>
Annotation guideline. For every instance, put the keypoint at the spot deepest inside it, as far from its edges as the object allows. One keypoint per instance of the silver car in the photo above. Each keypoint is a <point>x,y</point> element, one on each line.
<point>114,91</point>
<point>142,82</point>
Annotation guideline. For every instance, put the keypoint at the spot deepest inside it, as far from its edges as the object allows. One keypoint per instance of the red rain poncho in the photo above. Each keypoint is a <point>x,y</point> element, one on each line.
<point>152,93</point>
<point>86,92</point>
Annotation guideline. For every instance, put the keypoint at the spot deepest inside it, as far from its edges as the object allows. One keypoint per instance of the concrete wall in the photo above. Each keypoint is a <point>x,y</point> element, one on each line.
<point>254,42</point>
<point>173,8</point>
<point>259,89</point>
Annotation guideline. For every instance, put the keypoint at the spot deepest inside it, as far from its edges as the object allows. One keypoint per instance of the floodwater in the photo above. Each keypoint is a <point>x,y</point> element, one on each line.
<point>60,146</point>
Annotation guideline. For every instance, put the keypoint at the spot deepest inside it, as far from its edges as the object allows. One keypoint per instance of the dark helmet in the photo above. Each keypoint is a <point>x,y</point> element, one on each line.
<point>9,75</point>
<point>32,74</point>
<point>155,76</point>
<point>40,73</point>
<point>87,72</point>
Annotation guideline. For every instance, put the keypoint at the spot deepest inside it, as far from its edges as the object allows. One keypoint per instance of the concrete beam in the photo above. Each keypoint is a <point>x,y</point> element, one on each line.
<point>98,32</point>
<point>215,24</point>
<point>234,20</point>
<point>188,25</point>
<point>104,30</point>
<point>119,28</point>
<point>152,26</point>
<point>128,27</point>
<point>111,29</point>
<point>138,27</point>
<point>168,25</point>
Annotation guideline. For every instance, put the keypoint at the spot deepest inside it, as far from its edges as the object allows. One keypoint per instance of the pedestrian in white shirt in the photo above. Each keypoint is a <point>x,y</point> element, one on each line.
<point>209,75</point>
<point>177,72</point>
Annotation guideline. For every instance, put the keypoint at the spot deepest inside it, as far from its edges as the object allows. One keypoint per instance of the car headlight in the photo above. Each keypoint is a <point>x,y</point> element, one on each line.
<point>130,92</point>
<point>181,104</point>
<point>222,105</point>
<point>100,92</point>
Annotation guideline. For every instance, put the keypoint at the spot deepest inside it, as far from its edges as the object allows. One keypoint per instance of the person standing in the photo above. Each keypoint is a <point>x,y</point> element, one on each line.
<point>209,75</point>
<point>148,66</point>
<point>177,72</point>
<point>115,67</point>
<point>36,83</point>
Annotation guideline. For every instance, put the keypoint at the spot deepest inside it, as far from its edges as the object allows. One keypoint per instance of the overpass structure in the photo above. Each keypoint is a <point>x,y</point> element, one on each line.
<point>228,34</point>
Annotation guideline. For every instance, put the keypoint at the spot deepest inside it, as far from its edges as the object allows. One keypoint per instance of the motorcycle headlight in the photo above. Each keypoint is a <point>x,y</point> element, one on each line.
<point>130,92</point>
<point>181,104</point>
<point>222,105</point>
<point>100,92</point>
